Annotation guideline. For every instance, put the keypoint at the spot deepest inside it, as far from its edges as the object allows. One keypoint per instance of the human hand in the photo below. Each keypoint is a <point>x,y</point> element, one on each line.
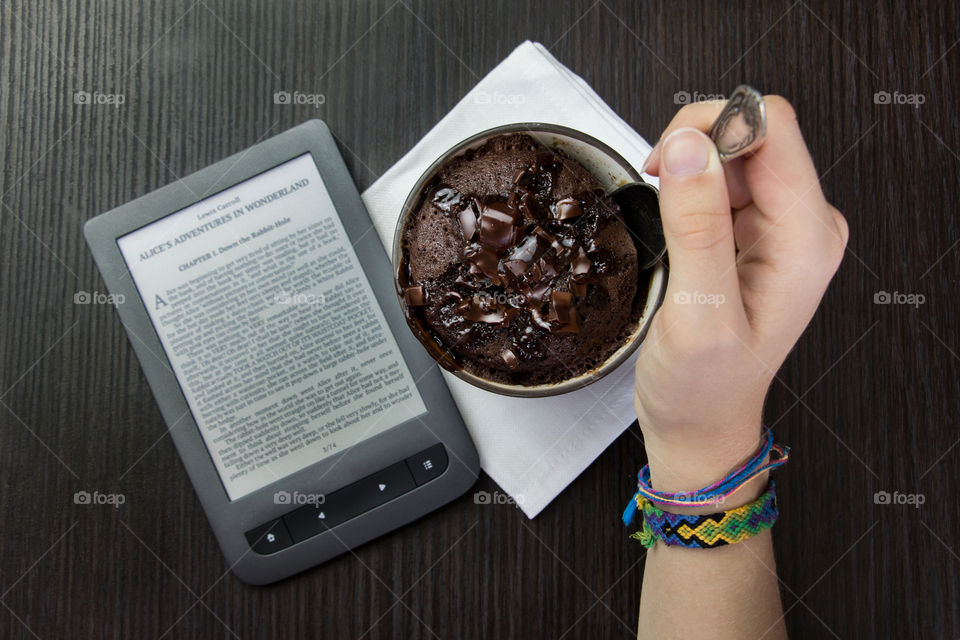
<point>752,246</point>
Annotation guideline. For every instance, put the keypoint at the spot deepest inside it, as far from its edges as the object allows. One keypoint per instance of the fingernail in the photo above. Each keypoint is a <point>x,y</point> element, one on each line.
<point>646,163</point>
<point>686,152</point>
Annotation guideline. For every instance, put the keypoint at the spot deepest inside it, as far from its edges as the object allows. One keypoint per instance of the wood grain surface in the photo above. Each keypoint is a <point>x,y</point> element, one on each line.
<point>869,399</point>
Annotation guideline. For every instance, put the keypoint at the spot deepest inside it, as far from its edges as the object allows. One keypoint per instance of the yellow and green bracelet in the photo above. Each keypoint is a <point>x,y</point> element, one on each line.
<point>706,531</point>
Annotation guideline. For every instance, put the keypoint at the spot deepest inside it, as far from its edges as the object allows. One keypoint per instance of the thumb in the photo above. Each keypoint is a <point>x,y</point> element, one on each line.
<point>698,225</point>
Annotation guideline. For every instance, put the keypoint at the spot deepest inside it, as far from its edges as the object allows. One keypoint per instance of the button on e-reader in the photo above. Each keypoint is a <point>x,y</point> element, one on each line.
<point>375,489</point>
<point>428,464</point>
<point>349,502</point>
<point>269,538</point>
<point>310,520</point>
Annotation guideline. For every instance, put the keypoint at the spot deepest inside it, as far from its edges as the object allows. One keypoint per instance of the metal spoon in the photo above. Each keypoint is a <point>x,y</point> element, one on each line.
<point>740,128</point>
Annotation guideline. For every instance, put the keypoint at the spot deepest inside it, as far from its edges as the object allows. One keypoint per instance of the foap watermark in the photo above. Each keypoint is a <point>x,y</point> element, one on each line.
<point>685,97</point>
<point>98,297</point>
<point>299,98</point>
<point>695,500</point>
<point>112,99</point>
<point>316,299</point>
<point>912,499</point>
<point>497,497</point>
<point>298,498</point>
<point>912,299</point>
<point>698,297</point>
<point>96,498</point>
<point>911,99</point>
<point>485,97</point>
<point>485,298</point>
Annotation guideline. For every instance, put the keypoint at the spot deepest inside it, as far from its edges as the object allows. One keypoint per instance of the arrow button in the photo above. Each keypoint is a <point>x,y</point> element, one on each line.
<point>350,501</point>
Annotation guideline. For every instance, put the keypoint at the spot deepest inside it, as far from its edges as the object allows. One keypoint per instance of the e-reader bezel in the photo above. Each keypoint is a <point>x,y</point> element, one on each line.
<point>231,519</point>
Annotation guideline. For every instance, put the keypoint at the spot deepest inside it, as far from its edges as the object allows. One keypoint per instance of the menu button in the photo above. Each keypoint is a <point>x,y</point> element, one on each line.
<point>428,464</point>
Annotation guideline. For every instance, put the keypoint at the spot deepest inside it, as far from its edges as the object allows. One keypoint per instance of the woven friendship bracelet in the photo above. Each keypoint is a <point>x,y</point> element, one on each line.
<point>706,531</point>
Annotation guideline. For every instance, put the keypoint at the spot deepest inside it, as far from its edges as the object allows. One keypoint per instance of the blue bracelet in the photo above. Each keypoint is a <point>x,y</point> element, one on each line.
<point>715,493</point>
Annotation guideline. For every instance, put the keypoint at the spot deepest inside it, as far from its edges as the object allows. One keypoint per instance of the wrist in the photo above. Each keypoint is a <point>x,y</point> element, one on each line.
<point>688,466</point>
<point>745,495</point>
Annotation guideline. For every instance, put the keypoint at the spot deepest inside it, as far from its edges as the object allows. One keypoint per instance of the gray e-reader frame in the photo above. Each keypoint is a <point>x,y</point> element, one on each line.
<point>365,490</point>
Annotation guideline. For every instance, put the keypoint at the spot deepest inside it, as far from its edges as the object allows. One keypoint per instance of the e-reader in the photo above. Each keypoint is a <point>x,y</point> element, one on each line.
<point>261,305</point>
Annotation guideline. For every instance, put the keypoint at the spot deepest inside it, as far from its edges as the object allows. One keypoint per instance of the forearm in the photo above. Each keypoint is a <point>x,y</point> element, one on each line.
<point>760,239</point>
<point>725,592</point>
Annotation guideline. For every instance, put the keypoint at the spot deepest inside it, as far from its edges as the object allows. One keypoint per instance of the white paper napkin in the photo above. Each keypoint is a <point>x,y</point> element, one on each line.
<point>532,448</point>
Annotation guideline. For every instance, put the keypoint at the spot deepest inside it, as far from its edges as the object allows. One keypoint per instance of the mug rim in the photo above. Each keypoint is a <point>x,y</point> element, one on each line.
<point>656,287</point>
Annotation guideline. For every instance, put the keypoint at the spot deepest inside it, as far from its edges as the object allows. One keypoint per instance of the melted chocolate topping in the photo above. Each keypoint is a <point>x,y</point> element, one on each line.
<point>527,258</point>
<point>524,244</point>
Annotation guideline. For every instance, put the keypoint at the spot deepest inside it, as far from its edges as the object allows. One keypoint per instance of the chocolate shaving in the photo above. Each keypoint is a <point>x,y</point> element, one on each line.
<point>560,302</point>
<point>516,267</point>
<point>468,223</point>
<point>579,289</point>
<point>520,175</point>
<point>533,275</point>
<point>562,253</point>
<point>526,206</point>
<point>571,326</point>
<point>566,209</point>
<point>415,296</point>
<point>544,234</point>
<point>526,250</point>
<point>483,261</point>
<point>581,264</point>
<point>538,291</point>
<point>510,359</point>
<point>496,226</point>
<point>451,296</point>
<point>548,268</point>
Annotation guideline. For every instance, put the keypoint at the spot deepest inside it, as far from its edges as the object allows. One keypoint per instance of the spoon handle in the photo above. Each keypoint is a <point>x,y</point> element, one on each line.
<point>741,126</point>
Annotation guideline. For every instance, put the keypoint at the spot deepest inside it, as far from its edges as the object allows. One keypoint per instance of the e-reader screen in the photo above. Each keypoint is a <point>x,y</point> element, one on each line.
<point>272,330</point>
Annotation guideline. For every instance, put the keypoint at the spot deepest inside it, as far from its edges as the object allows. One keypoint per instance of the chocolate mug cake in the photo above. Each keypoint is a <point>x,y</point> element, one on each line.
<point>515,262</point>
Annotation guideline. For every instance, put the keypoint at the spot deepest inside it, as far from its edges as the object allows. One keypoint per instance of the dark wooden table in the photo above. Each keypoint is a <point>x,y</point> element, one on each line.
<point>868,399</point>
